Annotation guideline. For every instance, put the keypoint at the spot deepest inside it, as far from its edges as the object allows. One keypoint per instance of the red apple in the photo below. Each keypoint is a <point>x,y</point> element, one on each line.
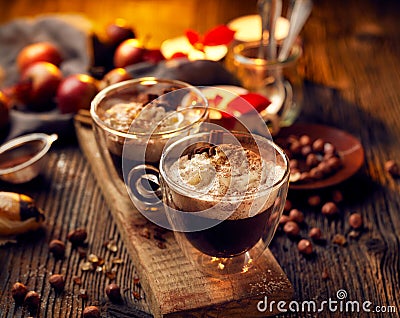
<point>76,92</point>
<point>38,52</point>
<point>128,52</point>
<point>38,85</point>
<point>4,111</point>
<point>153,56</point>
<point>116,75</point>
<point>119,31</point>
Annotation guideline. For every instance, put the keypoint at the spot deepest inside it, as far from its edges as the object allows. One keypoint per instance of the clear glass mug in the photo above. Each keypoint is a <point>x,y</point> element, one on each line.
<point>184,109</point>
<point>279,81</point>
<point>221,233</point>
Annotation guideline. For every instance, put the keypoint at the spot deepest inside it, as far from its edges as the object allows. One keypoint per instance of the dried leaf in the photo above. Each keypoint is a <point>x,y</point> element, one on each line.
<point>193,37</point>
<point>220,35</point>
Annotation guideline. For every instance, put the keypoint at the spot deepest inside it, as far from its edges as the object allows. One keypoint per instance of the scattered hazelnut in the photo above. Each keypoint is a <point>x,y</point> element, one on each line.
<point>288,205</point>
<point>329,208</point>
<point>18,292</point>
<point>91,312</point>
<point>83,294</point>
<point>325,274</point>
<point>314,200</point>
<point>291,228</point>
<point>337,196</point>
<point>296,215</point>
<point>77,237</point>
<point>305,247</point>
<point>339,239</point>
<point>315,233</point>
<point>284,219</point>
<point>355,220</point>
<point>57,282</point>
<point>392,167</point>
<point>32,300</point>
<point>114,293</point>
<point>57,248</point>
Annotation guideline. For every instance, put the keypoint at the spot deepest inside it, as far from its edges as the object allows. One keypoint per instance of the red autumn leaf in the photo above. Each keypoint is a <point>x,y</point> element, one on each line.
<point>248,102</point>
<point>220,35</point>
<point>192,36</point>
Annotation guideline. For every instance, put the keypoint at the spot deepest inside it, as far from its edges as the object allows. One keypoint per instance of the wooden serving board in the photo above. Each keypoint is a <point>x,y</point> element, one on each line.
<point>174,288</point>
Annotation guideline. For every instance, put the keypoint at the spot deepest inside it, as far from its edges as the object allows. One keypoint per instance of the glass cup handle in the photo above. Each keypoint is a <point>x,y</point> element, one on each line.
<point>143,185</point>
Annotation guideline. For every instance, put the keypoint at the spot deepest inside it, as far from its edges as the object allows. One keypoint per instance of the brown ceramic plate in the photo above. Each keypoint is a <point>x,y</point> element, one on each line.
<point>348,147</point>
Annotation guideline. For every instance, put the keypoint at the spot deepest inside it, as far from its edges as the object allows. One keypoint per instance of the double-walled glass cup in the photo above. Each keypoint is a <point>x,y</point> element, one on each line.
<point>222,231</point>
<point>278,80</point>
<point>121,121</point>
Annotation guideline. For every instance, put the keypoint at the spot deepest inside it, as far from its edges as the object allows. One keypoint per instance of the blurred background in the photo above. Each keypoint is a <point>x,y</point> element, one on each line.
<point>153,20</point>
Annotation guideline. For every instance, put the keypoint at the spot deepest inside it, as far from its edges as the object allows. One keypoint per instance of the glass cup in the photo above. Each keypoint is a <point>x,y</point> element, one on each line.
<point>222,229</point>
<point>121,121</point>
<point>277,80</point>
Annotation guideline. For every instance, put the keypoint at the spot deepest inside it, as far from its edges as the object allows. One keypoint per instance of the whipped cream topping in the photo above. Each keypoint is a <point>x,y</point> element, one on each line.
<point>231,170</point>
<point>152,117</point>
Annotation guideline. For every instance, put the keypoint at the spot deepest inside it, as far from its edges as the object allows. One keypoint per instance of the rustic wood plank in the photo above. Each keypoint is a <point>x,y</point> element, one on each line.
<point>173,286</point>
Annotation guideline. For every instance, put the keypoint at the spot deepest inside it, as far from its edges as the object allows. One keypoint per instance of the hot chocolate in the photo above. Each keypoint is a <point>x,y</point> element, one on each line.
<point>226,183</point>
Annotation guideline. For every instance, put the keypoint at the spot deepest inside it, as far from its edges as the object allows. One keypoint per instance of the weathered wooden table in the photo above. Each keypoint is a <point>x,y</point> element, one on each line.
<point>352,71</point>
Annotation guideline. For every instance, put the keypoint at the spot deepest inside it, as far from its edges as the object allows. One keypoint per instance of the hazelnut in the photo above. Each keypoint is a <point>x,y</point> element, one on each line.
<point>32,300</point>
<point>83,294</point>
<point>288,205</point>
<point>91,312</point>
<point>324,167</point>
<point>329,148</point>
<point>305,247</point>
<point>114,293</point>
<point>337,196</point>
<point>315,233</point>
<point>295,147</point>
<point>293,163</point>
<point>284,219</point>
<point>291,228</point>
<point>339,239</point>
<point>77,237</point>
<point>329,208</point>
<point>355,220</point>
<point>312,160</point>
<point>296,215</point>
<point>57,248</point>
<point>18,292</point>
<point>335,163</point>
<point>57,282</point>
<point>316,173</point>
<point>318,145</point>
<point>314,200</point>
<point>392,167</point>
<point>306,150</point>
<point>305,140</point>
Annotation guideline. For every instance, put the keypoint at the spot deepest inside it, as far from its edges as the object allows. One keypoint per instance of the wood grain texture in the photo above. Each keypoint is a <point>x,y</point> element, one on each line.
<point>352,69</point>
<point>174,286</point>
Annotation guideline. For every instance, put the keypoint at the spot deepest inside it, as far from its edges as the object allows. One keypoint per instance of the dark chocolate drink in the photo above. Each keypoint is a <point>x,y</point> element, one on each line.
<point>224,185</point>
<point>231,237</point>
